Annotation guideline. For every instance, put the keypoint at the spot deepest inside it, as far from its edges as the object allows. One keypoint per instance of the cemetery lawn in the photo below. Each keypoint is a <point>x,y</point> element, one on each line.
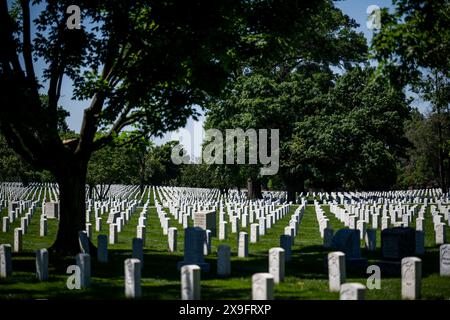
<point>306,277</point>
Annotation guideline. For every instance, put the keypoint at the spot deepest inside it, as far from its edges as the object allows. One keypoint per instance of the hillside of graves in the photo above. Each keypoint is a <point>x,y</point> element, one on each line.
<point>188,243</point>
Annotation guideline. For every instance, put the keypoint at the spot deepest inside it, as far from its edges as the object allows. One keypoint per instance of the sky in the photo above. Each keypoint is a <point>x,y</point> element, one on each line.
<point>192,133</point>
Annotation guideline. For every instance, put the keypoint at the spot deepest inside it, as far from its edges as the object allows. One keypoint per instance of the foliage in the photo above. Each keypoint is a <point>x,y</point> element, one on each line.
<point>420,169</point>
<point>413,48</point>
<point>335,131</point>
<point>160,169</point>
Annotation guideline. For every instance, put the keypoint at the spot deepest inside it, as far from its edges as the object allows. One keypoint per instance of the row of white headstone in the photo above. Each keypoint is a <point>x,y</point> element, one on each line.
<point>356,218</point>
<point>411,275</point>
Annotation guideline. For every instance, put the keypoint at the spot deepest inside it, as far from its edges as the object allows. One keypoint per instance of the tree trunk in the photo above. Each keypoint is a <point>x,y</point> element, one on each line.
<point>25,181</point>
<point>441,159</point>
<point>141,183</point>
<point>254,188</point>
<point>91,190</point>
<point>293,184</point>
<point>291,194</point>
<point>72,209</point>
<point>441,156</point>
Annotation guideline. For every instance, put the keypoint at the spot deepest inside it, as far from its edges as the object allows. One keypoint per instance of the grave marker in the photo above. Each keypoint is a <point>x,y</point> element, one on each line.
<point>411,278</point>
<point>352,291</point>
<point>5,261</point>
<point>336,270</point>
<point>42,264</point>
<point>223,260</point>
<point>262,286</point>
<point>133,277</point>
<point>190,282</point>
<point>276,264</point>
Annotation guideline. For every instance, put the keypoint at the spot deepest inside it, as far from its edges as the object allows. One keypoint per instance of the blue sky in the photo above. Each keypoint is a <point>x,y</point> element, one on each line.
<point>356,9</point>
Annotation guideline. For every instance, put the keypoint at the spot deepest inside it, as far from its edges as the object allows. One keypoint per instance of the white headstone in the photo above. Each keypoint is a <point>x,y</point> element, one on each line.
<point>411,278</point>
<point>172,239</point>
<point>336,270</point>
<point>141,233</point>
<point>18,239</point>
<point>42,264</point>
<point>352,291</point>
<point>133,277</point>
<point>244,220</point>
<point>190,282</point>
<point>254,233</point>
<point>24,224</point>
<point>5,225</point>
<point>262,286</point>
<point>444,259</point>
<point>5,261</point>
<point>235,224</point>
<point>206,220</point>
<point>98,224</point>
<point>440,233</point>
<point>419,224</point>
<point>119,224</point>
<point>276,264</point>
<point>166,226</point>
<point>52,210</point>
<point>262,226</point>
<point>185,221</point>
<point>89,230</point>
<point>223,230</point>
<point>112,233</point>
<point>43,228</point>
<point>243,245</point>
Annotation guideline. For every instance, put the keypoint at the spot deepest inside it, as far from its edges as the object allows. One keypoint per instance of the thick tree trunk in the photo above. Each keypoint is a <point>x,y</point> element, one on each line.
<point>72,217</point>
<point>254,188</point>
<point>293,184</point>
<point>25,181</point>
<point>91,190</point>
<point>291,194</point>
<point>141,183</point>
<point>441,156</point>
<point>442,173</point>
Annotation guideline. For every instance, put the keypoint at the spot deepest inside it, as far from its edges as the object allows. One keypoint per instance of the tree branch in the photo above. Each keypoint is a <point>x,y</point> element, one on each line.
<point>8,46</point>
<point>91,114</point>
<point>89,125</point>
<point>120,123</point>
<point>27,50</point>
<point>18,146</point>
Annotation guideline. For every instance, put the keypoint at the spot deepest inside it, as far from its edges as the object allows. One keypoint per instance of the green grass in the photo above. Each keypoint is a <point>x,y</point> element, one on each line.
<point>305,274</point>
